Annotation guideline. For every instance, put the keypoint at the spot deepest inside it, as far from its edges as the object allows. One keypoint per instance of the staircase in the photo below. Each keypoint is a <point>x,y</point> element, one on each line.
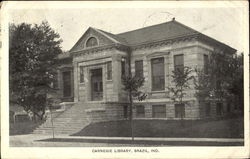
<point>67,122</point>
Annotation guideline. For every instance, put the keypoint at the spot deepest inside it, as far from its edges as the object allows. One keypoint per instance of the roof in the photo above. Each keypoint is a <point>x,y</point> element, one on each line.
<point>115,37</point>
<point>162,31</point>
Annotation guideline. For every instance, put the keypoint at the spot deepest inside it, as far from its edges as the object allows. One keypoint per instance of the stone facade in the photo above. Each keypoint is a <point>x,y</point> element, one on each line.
<point>103,97</point>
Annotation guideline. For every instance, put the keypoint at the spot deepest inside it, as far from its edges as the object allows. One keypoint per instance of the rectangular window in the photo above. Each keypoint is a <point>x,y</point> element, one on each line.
<point>123,70</point>
<point>207,109</point>
<point>219,109</point>
<point>55,82</point>
<point>228,107</point>
<point>139,68</point>
<point>66,84</point>
<point>159,111</point>
<point>140,111</point>
<point>158,77</point>
<point>109,70</point>
<point>125,112</point>
<point>179,63</point>
<point>179,110</point>
<point>218,84</point>
<point>81,74</point>
<point>205,64</point>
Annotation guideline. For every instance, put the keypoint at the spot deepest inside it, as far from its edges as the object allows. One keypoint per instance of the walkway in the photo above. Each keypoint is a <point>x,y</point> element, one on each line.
<point>91,141</point>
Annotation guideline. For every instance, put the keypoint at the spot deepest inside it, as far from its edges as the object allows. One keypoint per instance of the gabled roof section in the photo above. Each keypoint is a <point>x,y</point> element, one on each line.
<point>113,37</point>
<point>107,38</point>
<point>162,31</point>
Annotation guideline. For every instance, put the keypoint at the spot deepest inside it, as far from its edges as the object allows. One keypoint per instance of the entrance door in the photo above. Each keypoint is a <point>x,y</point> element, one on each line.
<point>96,85</point>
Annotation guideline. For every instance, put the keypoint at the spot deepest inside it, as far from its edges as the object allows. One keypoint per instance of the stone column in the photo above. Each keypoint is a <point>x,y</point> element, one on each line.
<point>116,76</point>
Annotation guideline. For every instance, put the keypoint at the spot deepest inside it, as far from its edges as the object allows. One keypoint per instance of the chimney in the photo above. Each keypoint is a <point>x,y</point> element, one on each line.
<point>173,19</point>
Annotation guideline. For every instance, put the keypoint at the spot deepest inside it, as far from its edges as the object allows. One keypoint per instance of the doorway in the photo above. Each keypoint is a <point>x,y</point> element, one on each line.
<point>96,85</point>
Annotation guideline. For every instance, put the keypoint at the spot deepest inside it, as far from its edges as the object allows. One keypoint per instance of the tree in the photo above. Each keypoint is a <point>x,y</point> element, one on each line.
<point>132,85</point>
<point>180,81</point>
<point>202,84</point>
<point>181,78</point>
<point>236,86</point>
<point>223,80</point>
<point>33,55</point>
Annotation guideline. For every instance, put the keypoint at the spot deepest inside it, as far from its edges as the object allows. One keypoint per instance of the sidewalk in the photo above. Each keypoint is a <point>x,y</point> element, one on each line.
<point>155,138</point>
<point>32,140</point>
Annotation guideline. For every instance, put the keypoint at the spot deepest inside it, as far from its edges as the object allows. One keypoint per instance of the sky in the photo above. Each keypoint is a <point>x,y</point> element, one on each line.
<point>221,23</point>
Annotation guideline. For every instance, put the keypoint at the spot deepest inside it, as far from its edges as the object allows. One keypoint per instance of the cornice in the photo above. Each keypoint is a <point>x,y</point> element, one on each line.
<point>216,43</point>
<point>99,49</point>
<point>162,42</point>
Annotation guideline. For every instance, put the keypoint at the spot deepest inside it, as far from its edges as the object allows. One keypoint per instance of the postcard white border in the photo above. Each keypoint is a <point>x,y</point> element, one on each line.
<point>86,152</point>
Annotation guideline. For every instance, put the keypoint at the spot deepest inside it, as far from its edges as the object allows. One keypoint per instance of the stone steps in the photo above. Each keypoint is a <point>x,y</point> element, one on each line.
<point>68,122</point>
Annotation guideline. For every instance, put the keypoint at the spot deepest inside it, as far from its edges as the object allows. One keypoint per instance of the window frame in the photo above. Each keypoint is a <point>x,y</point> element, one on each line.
<point>125,111</point>
<point>219,109</point>
<point>65,95</point>
<point>92,37</point>
<point>207,109</point>
<point>109,71</point>
<point>179,66</point>
<point>153,83</point>
<point>206,63</point>
<point>154,112</point>
<point>123,68</point>
<point>142,113</point>
<point>81,74</point>
<point>139,70</point>
<point>182,114</point>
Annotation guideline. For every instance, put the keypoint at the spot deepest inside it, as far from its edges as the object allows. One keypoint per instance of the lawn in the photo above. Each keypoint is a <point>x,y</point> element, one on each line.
<point>24,127</point>
<point>224,128</point>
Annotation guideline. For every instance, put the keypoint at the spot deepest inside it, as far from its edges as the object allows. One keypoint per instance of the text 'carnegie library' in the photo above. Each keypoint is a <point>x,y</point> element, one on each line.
<point>124,150</point>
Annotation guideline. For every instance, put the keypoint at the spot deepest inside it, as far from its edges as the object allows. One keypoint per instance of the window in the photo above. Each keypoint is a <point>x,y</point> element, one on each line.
<point>218,84</point>
<point>219,109</point>
<point>91,42</point>
<point>109,70</point>
<point>158,79</point>
<point>207,109</point>
<point>179,110</point>
<point>66,84</point>
<point>159,111</point>
<point>100,87</point>
<point>179,63</point>
<point>228,107</point>
<point>81,74</point>
<point>125,111</point>
<point>139,68</point>
<point>205,64</point>
<point>54,84</point>
<point>123,71</point>
<point>97,86</point>
<point>140,111</point>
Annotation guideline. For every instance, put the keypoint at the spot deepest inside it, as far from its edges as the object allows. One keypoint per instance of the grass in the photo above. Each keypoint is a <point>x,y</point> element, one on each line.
<point>224,128</point>
<point>24,127</point>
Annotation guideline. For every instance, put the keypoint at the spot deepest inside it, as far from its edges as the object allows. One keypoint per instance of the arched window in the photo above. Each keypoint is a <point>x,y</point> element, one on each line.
<point>91,42</point>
